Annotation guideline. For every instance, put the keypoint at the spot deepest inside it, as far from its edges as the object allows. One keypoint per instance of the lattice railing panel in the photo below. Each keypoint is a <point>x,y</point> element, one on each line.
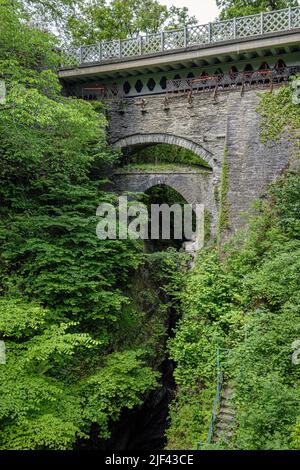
<point>131,47</point>
<point>151,43</point>
<point>173,40</point>
<point>71,56</point>
<point>275,21</point>
<point>222,31</point>
<point>90,53</point>
<point>248,26</point>
<point>110,50</point>
<point>198,35</point>
<point>295,18</point>
<point>271,22</point>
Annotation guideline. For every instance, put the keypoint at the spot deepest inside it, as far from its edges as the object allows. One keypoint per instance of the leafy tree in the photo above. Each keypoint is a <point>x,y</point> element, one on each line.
<point>178,17</point>
<point>234,8</point>
<point>63,293</point>
<point>119,19</point>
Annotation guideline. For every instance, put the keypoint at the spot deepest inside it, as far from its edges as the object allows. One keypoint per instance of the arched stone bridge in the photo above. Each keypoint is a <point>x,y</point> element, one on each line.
<point>220,125</point>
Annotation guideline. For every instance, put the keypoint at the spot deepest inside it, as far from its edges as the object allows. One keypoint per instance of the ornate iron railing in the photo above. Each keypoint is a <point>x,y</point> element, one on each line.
<point>170,40</point>
<point>259,78</point>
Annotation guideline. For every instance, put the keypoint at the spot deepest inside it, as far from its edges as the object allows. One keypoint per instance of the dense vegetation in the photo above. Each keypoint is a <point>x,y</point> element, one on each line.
<point>234,8</point>
<point>245,300</point>
<point>68,318</point>
<point>82,344</point>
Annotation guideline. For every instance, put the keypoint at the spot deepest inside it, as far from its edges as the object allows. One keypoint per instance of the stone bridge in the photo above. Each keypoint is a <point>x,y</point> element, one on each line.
<point>224,132</point>
<point>201,95</point>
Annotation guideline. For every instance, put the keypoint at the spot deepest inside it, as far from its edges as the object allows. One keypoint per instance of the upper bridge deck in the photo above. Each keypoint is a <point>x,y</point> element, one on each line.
<point>277,31</point>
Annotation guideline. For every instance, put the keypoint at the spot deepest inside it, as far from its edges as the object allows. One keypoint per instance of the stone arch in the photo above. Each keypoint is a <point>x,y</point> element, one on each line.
<point>174,183</point>
<point>193,187</point>
<point>144,140</point>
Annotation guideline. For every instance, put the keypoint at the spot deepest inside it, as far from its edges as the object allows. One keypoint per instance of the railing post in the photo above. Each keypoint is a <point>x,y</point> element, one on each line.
<point>120,48</point>
<point>261,23</point>
<point>162,41</point>
<point>290,18</point>
<point>80,55</point>
<point>209,33</point>
<point>185,37</point>
<point>234,28</point>
<point>100,51</point>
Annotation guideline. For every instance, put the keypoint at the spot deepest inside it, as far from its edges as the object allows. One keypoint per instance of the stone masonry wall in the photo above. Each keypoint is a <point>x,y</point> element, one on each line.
<point>229,121</point>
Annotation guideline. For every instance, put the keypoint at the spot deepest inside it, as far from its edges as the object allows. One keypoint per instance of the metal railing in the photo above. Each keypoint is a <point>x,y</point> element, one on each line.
<point>223,82</point>
<point>170,40</point>
<point>216,404</point>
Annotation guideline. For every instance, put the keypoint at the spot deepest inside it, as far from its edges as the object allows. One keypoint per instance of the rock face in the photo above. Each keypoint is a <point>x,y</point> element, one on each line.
<point>211,126</point>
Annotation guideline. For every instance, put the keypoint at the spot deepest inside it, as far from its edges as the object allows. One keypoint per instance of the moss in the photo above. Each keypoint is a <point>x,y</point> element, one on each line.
<point>167,153</point>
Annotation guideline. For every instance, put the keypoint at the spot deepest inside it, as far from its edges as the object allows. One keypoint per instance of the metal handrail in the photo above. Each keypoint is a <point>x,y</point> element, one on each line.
<point>178,39</point>
<point>216,403</point>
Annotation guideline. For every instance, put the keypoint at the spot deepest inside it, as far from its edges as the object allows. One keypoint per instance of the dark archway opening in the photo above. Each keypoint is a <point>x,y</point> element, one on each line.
<point>159,195</point>
<point>161,156</point>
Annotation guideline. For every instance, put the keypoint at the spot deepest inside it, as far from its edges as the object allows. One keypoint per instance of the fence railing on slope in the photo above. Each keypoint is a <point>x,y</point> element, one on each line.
<point>170,40</point>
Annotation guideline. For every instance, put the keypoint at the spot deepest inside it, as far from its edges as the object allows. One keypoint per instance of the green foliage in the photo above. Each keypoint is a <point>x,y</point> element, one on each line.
<point>19,318</point>
<point>117,385</point>
<point>235,8</point>
<point>286,196</point>
<point>120,19</point>
<point>246,301</point>
<point>278,114</point>
<point>211,318</point>
<point>224,205</point>
<point>165,153</point>
<point>63,292</point>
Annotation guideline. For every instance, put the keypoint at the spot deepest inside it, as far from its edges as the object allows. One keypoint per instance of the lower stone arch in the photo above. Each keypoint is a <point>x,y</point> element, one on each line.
<point>143,140</point>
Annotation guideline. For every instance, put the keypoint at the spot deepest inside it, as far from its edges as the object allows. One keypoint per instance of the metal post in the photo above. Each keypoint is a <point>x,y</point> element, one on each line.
<point>261,23</point>
<point>209,33</point>
<point>162,41</point>
<point>185,37</point>
<point>141,45</point>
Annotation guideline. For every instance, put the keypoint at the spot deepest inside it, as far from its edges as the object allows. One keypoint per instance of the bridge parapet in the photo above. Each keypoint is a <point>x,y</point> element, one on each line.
<point>167,41</point>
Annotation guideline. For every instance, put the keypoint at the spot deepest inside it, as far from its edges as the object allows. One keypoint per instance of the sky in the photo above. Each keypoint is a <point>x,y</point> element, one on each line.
<point>204,10</point>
